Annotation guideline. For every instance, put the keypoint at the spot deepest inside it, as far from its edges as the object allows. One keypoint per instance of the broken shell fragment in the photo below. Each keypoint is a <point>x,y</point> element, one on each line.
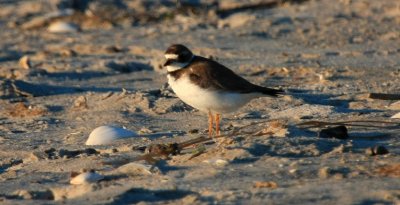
<point>85,178</point>
<point>108,134</point>
<point>396,116</point>
<point>25,62</point>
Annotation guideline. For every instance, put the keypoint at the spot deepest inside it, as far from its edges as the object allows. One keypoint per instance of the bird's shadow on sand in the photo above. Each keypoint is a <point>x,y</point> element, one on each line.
<point>339,105</point>
<point>76,75</point>
<point>304,143</point>
<point>10,55</point>
<point>35,87</point>
<point>136,195</point>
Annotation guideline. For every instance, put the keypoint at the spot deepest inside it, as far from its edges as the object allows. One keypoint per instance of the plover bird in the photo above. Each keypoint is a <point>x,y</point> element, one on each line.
<point>209,86</point>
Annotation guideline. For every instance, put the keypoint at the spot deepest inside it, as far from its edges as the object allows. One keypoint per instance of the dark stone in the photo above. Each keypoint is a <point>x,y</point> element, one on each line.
<point>90,151</point>
<point>68,153</point>
<point>339,132</point>
<point>376,150</point>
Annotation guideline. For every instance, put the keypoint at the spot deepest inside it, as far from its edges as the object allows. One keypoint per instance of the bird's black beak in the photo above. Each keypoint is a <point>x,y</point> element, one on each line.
<point>168,62</point>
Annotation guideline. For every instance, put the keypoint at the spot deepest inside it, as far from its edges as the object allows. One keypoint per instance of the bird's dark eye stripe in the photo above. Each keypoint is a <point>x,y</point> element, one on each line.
<point>184,58</point>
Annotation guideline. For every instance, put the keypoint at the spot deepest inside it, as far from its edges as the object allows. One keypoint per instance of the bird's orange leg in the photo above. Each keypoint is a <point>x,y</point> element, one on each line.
<point>210,124</point>
<point>217,120</point>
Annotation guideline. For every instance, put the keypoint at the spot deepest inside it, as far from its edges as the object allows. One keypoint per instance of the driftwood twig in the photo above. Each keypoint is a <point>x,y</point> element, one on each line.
<point>354,123</point>
<point>384,96</point>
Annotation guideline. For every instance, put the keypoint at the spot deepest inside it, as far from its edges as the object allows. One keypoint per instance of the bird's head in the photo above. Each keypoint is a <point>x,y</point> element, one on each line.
<point>178,56</point>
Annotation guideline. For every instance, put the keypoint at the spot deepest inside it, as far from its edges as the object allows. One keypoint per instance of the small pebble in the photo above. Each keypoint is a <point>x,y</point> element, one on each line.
<point>339,132</point>
<point>63,153</point>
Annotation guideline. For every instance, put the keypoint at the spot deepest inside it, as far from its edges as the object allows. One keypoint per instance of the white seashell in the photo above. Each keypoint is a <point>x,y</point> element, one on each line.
<point>107,134</point>
<point>217,162</point>
<point>63,27</point>
<point>137,169</point>
<point>396,116</point>
<point>86,178</point>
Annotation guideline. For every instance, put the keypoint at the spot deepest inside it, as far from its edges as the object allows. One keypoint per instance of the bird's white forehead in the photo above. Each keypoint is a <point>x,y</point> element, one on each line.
<point>171,56</point>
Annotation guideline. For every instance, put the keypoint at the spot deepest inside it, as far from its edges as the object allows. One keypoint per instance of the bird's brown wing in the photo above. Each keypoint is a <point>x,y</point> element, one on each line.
<point>212,75</point>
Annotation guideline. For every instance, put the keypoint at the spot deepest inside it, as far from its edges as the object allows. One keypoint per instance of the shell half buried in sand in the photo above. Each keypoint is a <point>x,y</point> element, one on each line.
<point>86,178</point>
<point>106,134</point>
<point>63,27</point>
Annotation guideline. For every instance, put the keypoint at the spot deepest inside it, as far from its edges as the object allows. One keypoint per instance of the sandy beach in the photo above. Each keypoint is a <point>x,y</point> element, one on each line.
<point>68,69</point>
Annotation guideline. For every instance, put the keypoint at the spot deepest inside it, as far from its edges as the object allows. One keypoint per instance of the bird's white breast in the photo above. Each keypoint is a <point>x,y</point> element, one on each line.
<point>208,100</point>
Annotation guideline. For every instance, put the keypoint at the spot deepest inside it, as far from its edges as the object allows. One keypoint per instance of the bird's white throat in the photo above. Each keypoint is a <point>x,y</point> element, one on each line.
<point>176,65</point>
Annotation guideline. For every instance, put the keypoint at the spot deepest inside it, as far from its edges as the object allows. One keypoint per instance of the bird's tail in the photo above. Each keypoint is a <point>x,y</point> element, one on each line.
<point>272,92</point>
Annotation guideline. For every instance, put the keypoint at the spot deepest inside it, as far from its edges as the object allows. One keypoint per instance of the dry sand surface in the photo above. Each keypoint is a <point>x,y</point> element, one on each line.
<point>64,72</point>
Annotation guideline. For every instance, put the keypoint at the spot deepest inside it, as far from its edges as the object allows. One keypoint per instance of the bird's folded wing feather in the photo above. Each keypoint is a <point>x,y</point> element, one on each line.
<point>222,78</point>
